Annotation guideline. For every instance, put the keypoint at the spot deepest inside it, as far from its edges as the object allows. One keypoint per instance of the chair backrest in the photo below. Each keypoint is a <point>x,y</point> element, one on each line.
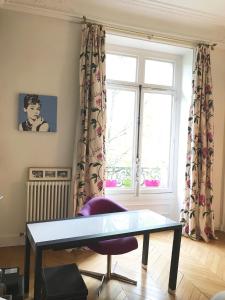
<point>100,205</point>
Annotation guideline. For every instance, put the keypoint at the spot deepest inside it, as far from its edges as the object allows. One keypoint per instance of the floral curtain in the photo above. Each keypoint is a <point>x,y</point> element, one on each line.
<point>91,148</point>
<point>197,215</point>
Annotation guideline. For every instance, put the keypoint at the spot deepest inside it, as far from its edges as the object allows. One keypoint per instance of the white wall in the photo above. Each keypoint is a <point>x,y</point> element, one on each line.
<point>41,55</point>
<point>37,55</point>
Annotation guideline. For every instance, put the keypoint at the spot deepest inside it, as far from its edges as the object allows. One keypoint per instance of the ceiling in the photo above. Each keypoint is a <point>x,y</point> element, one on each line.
<point>198,19</point>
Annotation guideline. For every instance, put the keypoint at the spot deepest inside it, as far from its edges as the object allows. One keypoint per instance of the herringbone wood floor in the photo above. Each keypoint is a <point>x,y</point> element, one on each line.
<point>201,269</point>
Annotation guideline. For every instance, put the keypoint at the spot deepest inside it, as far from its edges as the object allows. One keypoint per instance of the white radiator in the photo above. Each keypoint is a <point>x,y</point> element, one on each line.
<point>47,200</point>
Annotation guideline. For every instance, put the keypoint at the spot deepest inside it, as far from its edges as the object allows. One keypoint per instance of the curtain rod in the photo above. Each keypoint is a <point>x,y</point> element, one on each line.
<point>116,28</point>
<point>154,37</point>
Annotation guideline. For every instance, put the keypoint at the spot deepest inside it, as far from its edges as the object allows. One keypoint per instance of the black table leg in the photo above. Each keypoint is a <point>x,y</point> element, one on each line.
<point>37,274</point>
<point>145,250</point>
<point>26,265</point>
<point>174,260</point>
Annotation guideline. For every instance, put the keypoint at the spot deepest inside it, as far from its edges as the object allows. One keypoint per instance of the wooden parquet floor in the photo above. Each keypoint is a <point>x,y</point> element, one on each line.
<point>201,269</point>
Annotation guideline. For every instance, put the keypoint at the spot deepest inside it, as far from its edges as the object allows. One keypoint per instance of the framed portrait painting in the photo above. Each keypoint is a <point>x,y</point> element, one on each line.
<point>37,113</point>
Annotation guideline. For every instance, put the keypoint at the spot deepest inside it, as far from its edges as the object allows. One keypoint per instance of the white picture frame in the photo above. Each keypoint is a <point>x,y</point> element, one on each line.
<point>52,174</point>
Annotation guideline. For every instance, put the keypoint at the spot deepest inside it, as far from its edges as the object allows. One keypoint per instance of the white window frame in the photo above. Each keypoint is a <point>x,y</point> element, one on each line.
<point>174,90</point>
<point>168,189</point>
<point>128,87</point>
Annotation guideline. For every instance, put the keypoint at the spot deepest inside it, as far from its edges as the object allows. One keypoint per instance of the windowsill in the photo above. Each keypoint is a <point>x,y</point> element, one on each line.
<point>141,191</point>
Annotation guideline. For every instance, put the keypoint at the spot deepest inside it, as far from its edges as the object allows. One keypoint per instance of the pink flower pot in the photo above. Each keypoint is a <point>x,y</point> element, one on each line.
<point>151,182</point>
<point>111,183</point>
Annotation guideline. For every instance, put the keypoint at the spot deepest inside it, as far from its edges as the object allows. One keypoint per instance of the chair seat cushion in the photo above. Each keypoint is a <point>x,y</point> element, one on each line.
<point>115,246</point>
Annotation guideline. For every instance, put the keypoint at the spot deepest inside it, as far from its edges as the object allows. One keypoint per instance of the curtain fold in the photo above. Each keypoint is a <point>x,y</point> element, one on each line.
<point>90,173</point>
<point>197,215</point>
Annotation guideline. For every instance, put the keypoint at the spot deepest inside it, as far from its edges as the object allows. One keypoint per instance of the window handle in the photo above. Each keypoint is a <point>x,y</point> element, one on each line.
<point>137,176</point>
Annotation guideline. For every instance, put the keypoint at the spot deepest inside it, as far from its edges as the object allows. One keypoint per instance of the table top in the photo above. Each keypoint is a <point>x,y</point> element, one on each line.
<point>98,226</point>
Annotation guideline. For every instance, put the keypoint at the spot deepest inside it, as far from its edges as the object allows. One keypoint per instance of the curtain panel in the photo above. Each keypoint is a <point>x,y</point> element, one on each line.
<point>197,215</point>
<point>89,180</point>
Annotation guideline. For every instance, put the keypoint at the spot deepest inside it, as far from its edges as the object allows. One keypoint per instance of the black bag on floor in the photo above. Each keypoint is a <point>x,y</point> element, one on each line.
<point>63,283</point>
<point>10,277</point>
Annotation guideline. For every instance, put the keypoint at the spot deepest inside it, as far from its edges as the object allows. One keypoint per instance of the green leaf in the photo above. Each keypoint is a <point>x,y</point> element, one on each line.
<point>205,213</point>
<point>94,123</point>
<point>210,103</point>
<point>93,109</point>
<point>81,184</point>
<point>96,164</point>
<point>103,58</point>
<point>94,177</point>
<point>81,165</point>
<point>192,231</point>
<point>82,54</point>
<point>192,214</point>
<point>93,67</point>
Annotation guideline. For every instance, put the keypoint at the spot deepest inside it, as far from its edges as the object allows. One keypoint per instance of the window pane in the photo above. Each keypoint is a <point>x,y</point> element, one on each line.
<point>158,72</point>
<point>120,138</point>
<point>119,67</point>
<point>155,153</point>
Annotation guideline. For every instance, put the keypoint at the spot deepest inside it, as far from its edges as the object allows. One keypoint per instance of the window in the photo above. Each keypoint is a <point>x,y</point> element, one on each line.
<point>156,140</point>
<point>121,67</point>
<point>141,113</point>
<point>158,72</point>
<point>120,139</point>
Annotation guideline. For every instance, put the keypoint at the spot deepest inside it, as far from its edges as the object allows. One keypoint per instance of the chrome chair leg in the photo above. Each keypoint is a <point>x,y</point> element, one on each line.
<point>95,275</point>
<point>123,278</point>
<point>103,281</point>
<point>109,275</point>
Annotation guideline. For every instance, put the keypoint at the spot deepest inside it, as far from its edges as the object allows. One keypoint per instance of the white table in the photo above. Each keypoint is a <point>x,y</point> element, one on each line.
<point>78,231</point>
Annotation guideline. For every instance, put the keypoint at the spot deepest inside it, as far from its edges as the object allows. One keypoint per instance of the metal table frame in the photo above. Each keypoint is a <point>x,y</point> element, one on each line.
<point>78,241</point>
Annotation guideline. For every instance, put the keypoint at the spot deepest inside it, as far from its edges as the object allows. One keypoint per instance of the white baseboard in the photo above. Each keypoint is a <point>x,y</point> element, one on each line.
<point>12,240</point>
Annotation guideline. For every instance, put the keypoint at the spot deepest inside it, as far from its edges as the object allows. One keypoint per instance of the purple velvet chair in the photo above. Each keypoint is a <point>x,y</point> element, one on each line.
<point>102,205</point>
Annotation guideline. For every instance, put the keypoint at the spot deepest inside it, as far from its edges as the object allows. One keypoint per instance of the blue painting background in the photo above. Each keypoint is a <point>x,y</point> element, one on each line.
<point>48,110</point>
